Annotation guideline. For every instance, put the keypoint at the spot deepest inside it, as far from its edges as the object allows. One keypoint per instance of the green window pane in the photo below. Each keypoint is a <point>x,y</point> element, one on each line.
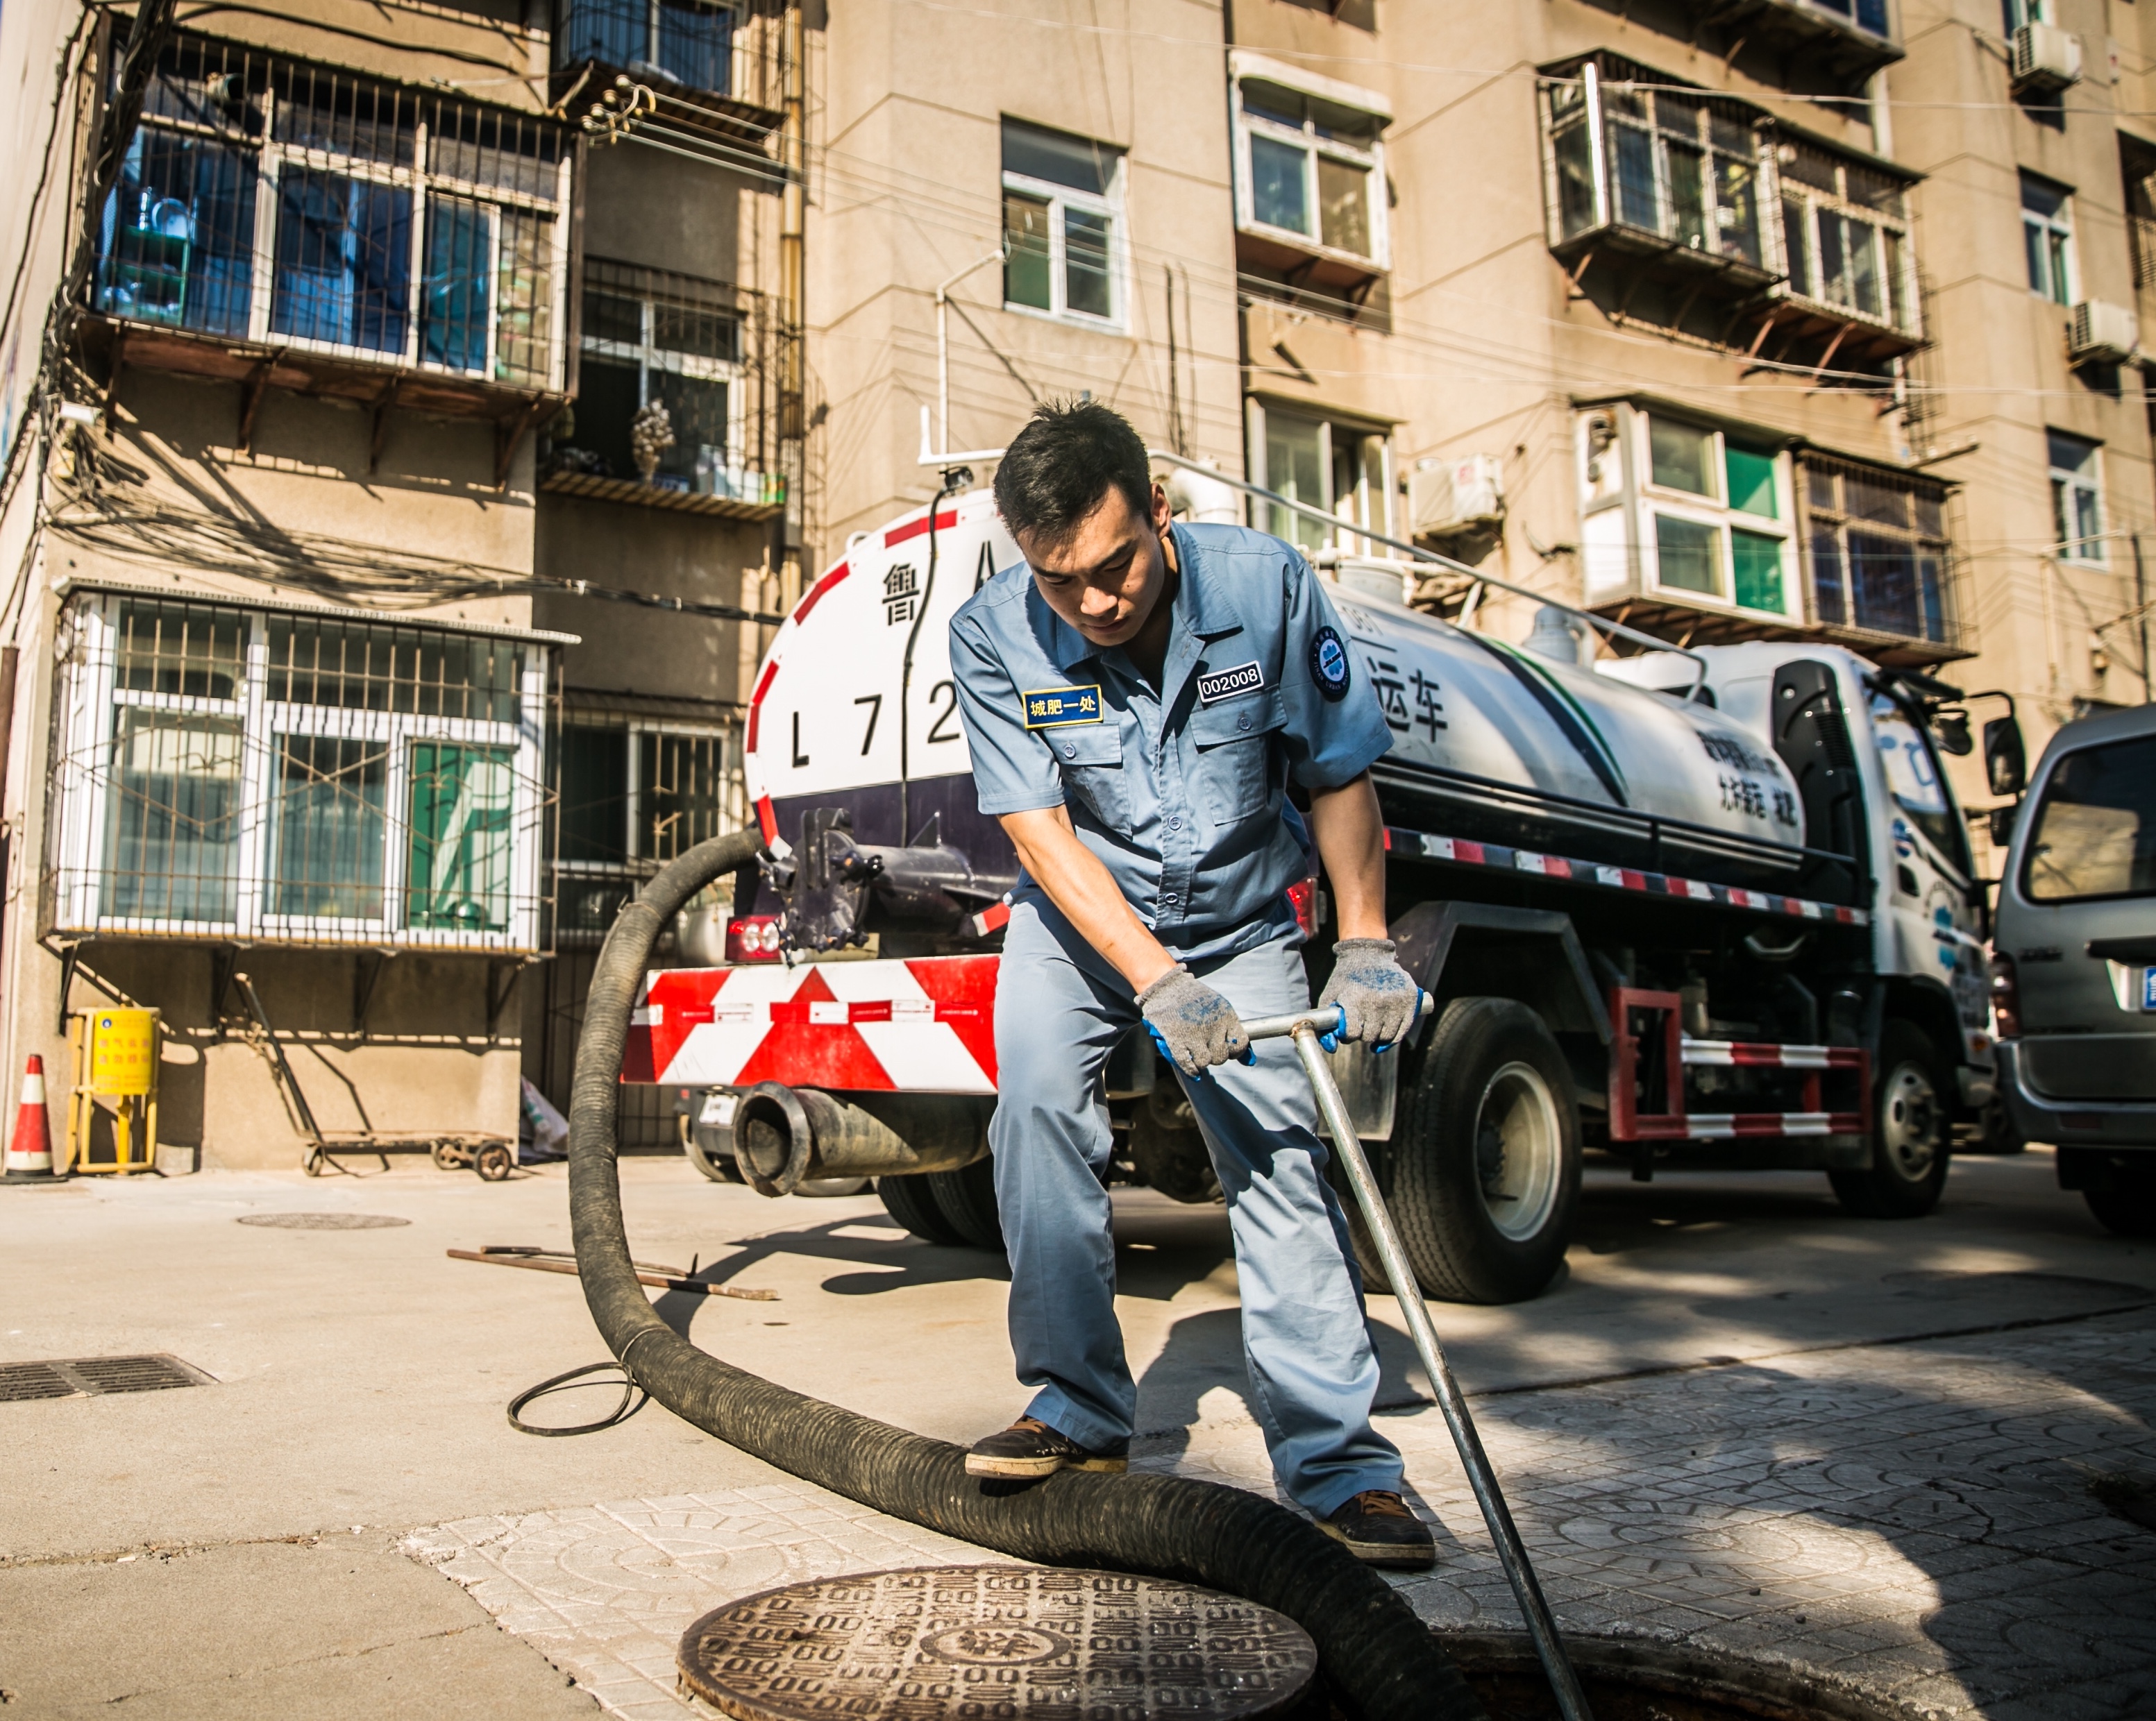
<point>1343,205</point>
<point>1683,456</point>
<point>1750,476</point>
<point>459,873</point>
<point>327,827</point>
<point>172,839</point>
<point>1688,554</point>
<point>1755,562</point>
<point>1279,195</point>
<point>1025,251</point>
<point>1085,264</point>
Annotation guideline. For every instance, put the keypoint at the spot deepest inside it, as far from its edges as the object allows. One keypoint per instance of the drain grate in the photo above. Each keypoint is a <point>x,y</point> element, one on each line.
<point>322,1222</point>
<point>81,1376</point>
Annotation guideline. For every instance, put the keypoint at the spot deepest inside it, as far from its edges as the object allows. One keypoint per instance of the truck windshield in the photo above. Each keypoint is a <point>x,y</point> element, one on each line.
<point>2095,831</point>
<point>1915,781</point>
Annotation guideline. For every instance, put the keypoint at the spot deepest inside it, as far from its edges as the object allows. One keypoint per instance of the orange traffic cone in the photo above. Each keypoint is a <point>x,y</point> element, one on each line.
<point>30,1148</point>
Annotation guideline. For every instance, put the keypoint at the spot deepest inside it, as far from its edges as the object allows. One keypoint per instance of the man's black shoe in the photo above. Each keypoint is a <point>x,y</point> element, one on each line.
<point>1378,1529</point>
<point>1030,1448</point>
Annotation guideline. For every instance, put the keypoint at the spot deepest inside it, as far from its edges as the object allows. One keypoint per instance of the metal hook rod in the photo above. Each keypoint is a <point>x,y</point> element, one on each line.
<point>1304,1028</point>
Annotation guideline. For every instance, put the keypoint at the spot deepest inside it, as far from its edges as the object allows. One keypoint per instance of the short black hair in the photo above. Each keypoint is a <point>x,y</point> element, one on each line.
<point>1059,467</point>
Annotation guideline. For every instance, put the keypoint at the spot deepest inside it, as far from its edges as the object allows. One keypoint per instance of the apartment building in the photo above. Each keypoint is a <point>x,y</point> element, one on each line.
<point>389,454</point>
<point>1805,319</point>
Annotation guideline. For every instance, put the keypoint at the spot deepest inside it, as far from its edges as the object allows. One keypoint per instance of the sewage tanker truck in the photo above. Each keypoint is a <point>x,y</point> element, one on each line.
<point>1711,909</point>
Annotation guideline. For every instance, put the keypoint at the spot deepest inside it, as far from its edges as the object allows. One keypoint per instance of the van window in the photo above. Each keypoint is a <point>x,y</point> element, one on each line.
<point>2095,832</point>
<point>1915,781</point>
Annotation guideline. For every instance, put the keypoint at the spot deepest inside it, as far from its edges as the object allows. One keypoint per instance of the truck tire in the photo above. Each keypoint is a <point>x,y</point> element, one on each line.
<point>1912,1131</point>
<point>967,1197</point>
<point>911,1202</point>
<point>1486,1169</point>
<point>710,1150</point>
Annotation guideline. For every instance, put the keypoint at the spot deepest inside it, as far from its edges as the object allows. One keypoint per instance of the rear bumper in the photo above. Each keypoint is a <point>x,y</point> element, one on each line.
<point>2124,1123</point>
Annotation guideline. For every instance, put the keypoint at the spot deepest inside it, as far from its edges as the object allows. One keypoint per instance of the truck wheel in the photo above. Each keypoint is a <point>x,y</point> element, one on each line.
<point>911,1202</point>
<point>1486,1173</point>
<point>710,1151</point>
<point>967,1197</point>
<point>1912,1132</point>
<point>2123,1212</point>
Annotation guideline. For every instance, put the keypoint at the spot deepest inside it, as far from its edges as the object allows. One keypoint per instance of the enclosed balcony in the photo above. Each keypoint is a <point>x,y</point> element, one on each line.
<point>718,65</point>
<point>1844,41</point>
<point>285,225</point>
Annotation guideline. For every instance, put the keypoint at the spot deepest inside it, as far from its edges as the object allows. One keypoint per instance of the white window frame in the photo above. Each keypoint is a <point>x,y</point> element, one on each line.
<point>271,159</point>
<point>1895,262</point>
<point>2066,484</point>
<point>84,783</point>
<point>1372,496</point>
<point>1111,207</point>
<point>1715,511</point>
<point>1244,67</point>
<point>2059,226</point>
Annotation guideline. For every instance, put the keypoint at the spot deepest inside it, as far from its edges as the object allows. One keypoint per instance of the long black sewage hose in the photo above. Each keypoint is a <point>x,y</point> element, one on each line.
<point>1380,1658</point>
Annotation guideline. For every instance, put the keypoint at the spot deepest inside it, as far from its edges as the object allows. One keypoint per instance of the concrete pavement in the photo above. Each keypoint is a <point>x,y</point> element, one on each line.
<point>1730,1392</point>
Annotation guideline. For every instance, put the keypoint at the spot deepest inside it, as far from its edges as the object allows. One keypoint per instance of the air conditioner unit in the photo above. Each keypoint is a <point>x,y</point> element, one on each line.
<point>2046,58</point>
<point>1449,496</point>
<point>2102,334</point>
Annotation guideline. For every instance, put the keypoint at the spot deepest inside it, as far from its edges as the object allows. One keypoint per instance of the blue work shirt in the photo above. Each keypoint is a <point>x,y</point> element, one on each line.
<point>1181,793</point>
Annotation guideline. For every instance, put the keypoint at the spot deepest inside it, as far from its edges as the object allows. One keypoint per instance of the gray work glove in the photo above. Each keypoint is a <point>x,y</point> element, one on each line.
<point>1193,1025</point>
<point>1378,996</point>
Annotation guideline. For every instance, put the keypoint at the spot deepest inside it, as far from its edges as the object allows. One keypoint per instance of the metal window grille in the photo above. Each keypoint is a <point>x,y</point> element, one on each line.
<point>268,199</point>
<point>1844,236</point>
<point>689,42</point>
<point>705,351</point>
<point>1879,558</point>
<point>634,793</point>
<point>295,777</point>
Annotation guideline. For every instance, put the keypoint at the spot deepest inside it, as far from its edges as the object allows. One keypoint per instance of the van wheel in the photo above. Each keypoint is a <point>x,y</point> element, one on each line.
<point>967,1197</point>
<point>2123,1212</point>
<point>1912,1132</point>
<point>911,1202</point>
<point>1485,1170</point>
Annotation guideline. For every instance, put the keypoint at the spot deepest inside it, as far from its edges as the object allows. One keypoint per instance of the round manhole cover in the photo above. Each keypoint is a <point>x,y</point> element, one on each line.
<point>322,1222</point>
<point>958,1641</point>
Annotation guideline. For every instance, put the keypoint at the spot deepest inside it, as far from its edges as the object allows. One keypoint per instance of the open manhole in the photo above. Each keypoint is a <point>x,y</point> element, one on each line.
<point>928,1644</point>
<point>1629,1680</point>
<point>81,1376</point>
<point>322,1222</point>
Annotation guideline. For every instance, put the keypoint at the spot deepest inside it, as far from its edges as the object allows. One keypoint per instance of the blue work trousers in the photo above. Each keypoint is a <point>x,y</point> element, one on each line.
<point>1061,1011</point>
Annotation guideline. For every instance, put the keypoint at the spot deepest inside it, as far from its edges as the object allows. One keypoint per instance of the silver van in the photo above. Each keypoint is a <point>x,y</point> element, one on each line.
<point>2074,968</point>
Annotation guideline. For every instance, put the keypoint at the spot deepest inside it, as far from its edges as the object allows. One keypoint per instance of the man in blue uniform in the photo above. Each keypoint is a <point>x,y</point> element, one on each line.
<point>1137,695</point>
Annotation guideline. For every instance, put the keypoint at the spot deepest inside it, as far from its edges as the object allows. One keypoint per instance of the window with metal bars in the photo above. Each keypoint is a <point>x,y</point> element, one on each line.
<point>635,795</point>
<point>1844,236</point>
<point>669,42</point>
<point>269,200</point>
<point>296,777</point>
<point>653,338</point>
<point>1878,551</point>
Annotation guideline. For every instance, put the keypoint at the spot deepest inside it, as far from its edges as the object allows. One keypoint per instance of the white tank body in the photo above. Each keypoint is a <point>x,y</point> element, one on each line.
<point>825,716</point>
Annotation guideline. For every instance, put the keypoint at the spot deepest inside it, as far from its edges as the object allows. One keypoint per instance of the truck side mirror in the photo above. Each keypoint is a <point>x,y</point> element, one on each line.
<point>1952,729</point>
<point>2005,759</point>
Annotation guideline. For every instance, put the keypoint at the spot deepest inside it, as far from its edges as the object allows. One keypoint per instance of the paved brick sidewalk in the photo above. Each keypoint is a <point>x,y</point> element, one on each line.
<point>1913,1521</point>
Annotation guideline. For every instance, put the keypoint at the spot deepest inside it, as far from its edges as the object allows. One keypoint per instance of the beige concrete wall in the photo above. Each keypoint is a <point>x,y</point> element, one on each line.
<point>907,192</point>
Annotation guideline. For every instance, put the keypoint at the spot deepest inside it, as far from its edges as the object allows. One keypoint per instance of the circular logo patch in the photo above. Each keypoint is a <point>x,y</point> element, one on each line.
<point>996,1645</point>
<point>1328,664</point>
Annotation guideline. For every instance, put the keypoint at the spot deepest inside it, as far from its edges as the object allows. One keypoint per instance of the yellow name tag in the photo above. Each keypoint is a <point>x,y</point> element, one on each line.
<point>1059,706</point>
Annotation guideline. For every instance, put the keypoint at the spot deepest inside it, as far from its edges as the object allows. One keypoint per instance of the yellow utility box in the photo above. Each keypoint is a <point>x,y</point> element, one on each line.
<point>115,1058</point>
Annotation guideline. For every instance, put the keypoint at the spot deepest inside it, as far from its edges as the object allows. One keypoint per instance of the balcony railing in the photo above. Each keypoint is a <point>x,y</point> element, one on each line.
<point>718,54</point>
<point>1847,39</point>
<point>338,230</point>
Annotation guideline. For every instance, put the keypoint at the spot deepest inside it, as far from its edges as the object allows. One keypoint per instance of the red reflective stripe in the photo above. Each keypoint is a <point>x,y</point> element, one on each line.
<point>817,590</point>
<point>991,918</point>
<point>915,529</point>
<point>1471,852</point>
<point>767,821</point>
<point>756,704</point>
<point>871,1012</point>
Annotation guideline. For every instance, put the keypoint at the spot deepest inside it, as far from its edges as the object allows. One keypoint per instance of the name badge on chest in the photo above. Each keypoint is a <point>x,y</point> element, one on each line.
<point>1059,706</point>
<point>1227,684</point>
